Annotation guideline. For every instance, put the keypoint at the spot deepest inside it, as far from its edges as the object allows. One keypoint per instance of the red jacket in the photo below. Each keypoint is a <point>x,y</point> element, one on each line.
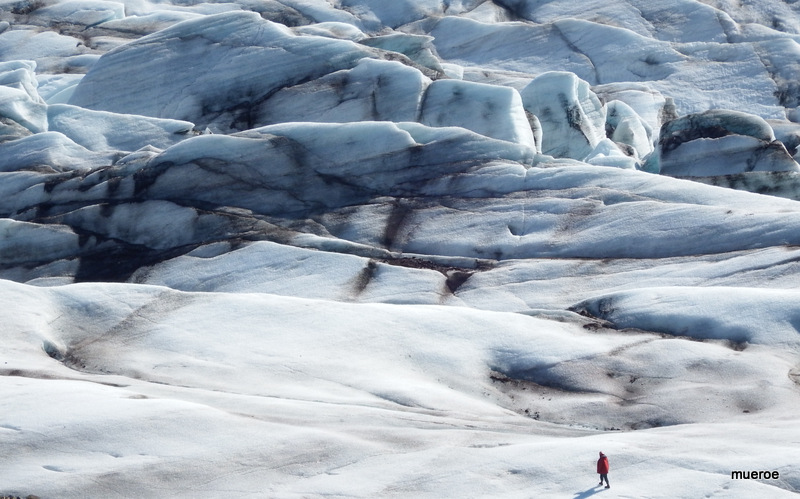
<point>602,465</point>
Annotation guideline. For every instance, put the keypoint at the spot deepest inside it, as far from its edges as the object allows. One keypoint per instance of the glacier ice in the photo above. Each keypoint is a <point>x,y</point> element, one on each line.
<point>718,143</point>
<point>625,126</point>
<point>49,152</point>
<point>571,117</point>
<point>21,108</point>
<point>489,110</point>
<point>186,67</point>
<point>102,131</point>
<point>423,248</point>
<point>608,153</point>
<point>82,12</point>
<point>701,312</point>
<point>374,90</point>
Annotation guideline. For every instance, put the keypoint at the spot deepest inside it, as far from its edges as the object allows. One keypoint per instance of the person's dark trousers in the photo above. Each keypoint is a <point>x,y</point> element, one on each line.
<point>604,476</point>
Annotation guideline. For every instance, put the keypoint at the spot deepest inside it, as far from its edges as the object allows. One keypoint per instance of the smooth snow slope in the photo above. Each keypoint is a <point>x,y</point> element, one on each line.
<point>123,391</point>
<point>425,248</point>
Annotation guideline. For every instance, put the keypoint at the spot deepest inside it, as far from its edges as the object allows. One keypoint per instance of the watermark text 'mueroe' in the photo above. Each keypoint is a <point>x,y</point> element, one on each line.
<point>755,475</point>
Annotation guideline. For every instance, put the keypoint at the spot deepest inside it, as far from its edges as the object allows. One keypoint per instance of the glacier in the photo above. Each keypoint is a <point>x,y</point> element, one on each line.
<point>422,248</point>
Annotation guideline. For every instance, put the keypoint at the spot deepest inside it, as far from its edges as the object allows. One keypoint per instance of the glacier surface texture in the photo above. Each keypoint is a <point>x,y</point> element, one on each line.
<point>408,248</point>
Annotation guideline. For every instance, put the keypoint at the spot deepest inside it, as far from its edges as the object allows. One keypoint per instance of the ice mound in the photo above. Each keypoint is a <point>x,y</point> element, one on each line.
<point>717,312</point>
<point>720,143</point>
<point>22,110</point>
<point>489,110</point>
<point>571,116</point>
<point>187,69</point>
<point>104,131</point>
<point>373,90</point>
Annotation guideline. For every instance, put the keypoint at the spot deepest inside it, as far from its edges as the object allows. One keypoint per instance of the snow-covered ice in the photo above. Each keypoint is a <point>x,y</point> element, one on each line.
<point>305,248</point>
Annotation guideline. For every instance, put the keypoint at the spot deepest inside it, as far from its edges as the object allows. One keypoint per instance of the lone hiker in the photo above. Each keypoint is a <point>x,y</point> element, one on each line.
<point>602,468</point>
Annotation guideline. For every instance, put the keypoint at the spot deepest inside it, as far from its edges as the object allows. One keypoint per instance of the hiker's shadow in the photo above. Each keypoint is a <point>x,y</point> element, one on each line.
<point>588,493</point>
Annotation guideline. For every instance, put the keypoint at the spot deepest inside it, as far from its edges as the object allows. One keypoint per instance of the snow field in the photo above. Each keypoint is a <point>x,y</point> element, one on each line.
<point>403,400</point>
